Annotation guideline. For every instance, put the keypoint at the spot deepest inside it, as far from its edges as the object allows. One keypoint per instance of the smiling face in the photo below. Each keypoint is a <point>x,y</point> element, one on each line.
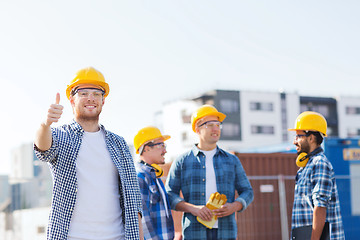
<point>301,142</point>
<point>87,103</point>
<point>209,134</point>
<point>154,152</point>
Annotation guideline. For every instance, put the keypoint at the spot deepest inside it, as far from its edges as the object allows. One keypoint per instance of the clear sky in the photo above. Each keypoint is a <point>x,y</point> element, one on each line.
<point>151,52</point>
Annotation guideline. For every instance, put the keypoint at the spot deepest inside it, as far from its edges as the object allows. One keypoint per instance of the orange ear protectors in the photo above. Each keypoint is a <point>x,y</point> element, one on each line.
<point>158,170</point>
<point>303,158</point>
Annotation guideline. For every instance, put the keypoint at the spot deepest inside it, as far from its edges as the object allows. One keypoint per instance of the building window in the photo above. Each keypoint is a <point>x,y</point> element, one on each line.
<point>353,110</point>
<point>229,105</point>
<point>322,109</point>
<point>261,106</point>
<point>262,129</point>
<point>230,130</point>
<point>353,132</point>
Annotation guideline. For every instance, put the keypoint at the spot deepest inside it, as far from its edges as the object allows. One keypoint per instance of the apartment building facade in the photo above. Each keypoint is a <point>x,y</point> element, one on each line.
<point>256,119</point>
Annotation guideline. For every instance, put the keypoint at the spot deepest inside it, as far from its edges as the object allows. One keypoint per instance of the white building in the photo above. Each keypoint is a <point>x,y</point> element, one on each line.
<point>22,163</point>
<point>24,224</point>
<point>256,119</point>
<point>4,189</point>
<point>176,123</point>
<point>349,116</point>
<point>30,180</point>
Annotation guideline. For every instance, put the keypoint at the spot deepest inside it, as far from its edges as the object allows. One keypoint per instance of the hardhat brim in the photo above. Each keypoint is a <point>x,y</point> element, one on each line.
<point>163,137</point>
<point>294,129</point>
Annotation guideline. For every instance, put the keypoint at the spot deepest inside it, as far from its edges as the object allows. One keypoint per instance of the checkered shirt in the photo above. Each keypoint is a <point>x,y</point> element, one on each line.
<point>315,183</point>
<point>188,174</point>
<point>61,157</point>
<point>156,225</point>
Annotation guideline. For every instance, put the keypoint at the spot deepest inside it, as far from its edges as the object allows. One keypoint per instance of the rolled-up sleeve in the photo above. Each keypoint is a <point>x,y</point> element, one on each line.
<point>243,187</point>
<point>50,154</point>
<point>322,184</point>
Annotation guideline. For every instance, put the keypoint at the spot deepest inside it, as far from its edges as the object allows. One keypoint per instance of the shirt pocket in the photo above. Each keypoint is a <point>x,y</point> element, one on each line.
<point>227,174</point>
<point>154,195</point>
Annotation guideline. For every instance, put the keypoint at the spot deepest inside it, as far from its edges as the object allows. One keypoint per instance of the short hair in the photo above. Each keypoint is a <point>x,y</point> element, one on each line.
<point>318,136</point>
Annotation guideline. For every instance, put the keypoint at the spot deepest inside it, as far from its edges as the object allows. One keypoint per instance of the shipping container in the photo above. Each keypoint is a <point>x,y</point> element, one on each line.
<point>272,176</point>
<point>344,155</point>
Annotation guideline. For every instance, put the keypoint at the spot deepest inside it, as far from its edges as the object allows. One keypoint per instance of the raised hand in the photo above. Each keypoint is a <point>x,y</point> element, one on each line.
<point>54,112</point>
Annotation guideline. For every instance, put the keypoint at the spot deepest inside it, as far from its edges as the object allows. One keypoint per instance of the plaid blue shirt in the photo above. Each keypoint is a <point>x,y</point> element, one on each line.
<point>188,174</point>
<point>315,183</point>
<point>156,225</point>
<point>61,157</point>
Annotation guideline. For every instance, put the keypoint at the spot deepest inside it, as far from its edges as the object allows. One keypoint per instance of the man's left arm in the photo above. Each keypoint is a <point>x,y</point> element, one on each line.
<point>322,173</point>
<point>319,217</point>
<point>244,189</point>
<point>242,186</point>
<point>141,233</point>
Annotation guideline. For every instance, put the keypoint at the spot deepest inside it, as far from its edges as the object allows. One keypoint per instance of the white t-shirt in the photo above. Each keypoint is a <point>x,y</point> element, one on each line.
<point>210,182</point>
<point>97,212</point>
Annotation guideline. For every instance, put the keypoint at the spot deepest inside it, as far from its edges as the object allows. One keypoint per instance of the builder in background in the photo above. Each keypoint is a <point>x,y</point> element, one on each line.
<point>157,220</point>
<point>316,198</point>
<point>93,171</point>
<point>204,170</point>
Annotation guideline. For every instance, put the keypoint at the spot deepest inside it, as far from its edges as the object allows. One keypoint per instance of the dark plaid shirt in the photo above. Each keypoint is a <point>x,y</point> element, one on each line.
<point>188,175</point>
<point>316,186</point>
<point>61,157</point>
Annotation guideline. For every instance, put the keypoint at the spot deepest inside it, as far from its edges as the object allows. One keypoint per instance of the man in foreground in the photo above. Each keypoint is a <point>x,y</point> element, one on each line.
<point>96,193</point>
<point>205,170</point>
<point>316,199</point>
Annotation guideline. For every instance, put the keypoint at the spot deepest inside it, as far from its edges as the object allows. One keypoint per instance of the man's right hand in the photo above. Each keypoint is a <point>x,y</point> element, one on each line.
<point>196,210</point>
<point>54,112</point>
<point>203,212</point>
<point>43,138</point>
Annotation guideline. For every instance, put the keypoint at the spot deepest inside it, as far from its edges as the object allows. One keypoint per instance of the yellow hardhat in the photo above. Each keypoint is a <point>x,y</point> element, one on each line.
<point>310,121</point>
<point>147,134</point>
<point>203,111</point>
<point>88,75</point>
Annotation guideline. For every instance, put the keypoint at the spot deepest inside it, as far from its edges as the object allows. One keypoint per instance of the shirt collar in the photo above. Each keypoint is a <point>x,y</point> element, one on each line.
<point>315,153</point>
<point>196,150</point>
<point>145,167</point>
<point>76,127</point>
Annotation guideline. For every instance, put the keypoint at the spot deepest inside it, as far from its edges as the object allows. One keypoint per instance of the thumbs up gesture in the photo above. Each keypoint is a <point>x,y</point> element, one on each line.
<point>215,201</point>
<point>54,112</point>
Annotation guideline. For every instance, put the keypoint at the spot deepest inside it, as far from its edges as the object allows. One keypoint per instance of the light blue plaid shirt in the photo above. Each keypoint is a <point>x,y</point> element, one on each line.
<point>316,185</point>
<point>188,174</point>
<point>156,225</point>
<point>61,157</point>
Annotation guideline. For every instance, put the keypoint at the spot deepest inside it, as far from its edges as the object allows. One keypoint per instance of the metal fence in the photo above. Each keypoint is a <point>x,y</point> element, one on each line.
<point>269,216</point>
